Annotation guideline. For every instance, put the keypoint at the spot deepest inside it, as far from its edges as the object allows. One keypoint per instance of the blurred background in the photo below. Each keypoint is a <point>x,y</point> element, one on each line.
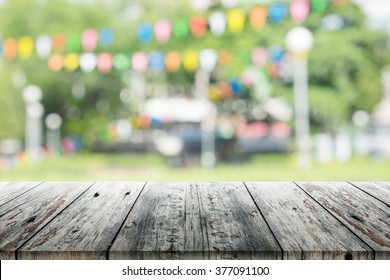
<point>186,90</point>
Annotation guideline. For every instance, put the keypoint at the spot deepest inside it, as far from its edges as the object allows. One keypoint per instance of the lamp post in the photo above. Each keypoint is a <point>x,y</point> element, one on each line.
<point>32,94</point>
<point>53,132</point>
<point>299,42</point>
<point>207,61</point>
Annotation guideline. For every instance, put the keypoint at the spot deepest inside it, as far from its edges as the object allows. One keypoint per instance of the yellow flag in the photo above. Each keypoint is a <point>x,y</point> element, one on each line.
<point>190,61</point>
<point>25,47</point>
<point>71,62</point>
<point>236,20</point>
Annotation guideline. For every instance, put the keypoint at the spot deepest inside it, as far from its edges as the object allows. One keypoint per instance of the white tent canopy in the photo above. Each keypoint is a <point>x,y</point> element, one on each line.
<point>178,109</point>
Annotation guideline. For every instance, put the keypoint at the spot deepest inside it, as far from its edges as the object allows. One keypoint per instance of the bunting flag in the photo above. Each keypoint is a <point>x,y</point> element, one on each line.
<point>71,62</point>
<point>88,62</point>
<point>139,61</point>
<point>190,61</point>
<point>58,42</point>
<point>319,5</point>
<point>258,17</point>
<point>43,46</point>
<point>25,47</point>
<point>10,48</point>
<point>73,42</point>
<point>236,20</point>
<point>55,62</point>
<point>156,61</point>
<point>121,62</point>
<point>181,28</point>
<point>277,12</point>
<point>104,63</point>
<point>198,26</point>
<point>208,59</point>
<point>172,61</point>
<point>217,23</point>
<point>106,36</point>
<point>299,10</point>
<point>162,31</point>
<point>145,32</point>
<point>90,39</point>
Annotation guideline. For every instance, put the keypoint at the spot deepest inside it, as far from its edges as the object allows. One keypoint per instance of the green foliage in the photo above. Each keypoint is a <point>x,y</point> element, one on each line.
<point>344,65</point>
<point>11,106</point>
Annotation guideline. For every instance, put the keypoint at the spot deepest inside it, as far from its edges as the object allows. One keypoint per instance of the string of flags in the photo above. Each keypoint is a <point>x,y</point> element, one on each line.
<point>171,61</point>
<point>53,47</point>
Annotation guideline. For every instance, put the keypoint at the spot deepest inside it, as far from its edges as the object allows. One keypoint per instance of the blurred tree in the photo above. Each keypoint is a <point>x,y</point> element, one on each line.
<point>344,64</point>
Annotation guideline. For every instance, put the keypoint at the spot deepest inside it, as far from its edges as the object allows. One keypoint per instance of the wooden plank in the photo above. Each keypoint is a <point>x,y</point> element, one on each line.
<point>376,190</point>
<point>234,226</point>
<point>24,216</point>
<point>302,227</point>
<point>87,227</point>
<point>9,191</point>
<point>386,185</point>
<point>192,221</point>
<point>361,213</point>
<point>154,228</point>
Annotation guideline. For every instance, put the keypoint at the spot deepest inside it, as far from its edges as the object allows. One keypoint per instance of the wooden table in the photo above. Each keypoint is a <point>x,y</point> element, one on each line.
<point>79,220</point>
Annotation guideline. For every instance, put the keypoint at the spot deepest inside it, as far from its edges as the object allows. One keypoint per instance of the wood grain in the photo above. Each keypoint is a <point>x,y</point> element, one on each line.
<point>361,213</point>
<point>234,227</point>
<point>11,190</point>
<point>87,227</point>
<point>386,185</point>
<point>154,228</point>
<point>302,227</point>
<point>194,221</point>
<point>24,216</point>
<point>376,190</point>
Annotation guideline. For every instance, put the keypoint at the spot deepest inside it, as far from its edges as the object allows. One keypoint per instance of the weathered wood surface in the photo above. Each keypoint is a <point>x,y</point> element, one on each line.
<point>380,192</point>
<point>154,228</point>
<point>194,220</point>
<point>303,228</point>
<point>206,221</point>
<point>86,228</point>
<point>233,225</point>
<point>386,185</point>
<point>25,215</point>
<point>366,216</point>
<point>10,191</point>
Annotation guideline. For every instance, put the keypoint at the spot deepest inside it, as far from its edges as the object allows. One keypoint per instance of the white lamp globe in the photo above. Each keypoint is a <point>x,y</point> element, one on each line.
<point>208,59</point>
<point>53,121</point>
<point>299,40</point>
<point>32,93</point>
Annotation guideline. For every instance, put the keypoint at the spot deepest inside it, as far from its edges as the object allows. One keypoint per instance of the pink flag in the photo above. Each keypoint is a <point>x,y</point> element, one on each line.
<point>105,62</point>
<point>299,10</point>
<point>163,30</point>
<point>89,40</point>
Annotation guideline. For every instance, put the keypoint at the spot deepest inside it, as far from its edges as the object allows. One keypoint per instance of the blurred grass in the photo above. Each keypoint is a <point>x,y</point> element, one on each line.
<point>98,167</point>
